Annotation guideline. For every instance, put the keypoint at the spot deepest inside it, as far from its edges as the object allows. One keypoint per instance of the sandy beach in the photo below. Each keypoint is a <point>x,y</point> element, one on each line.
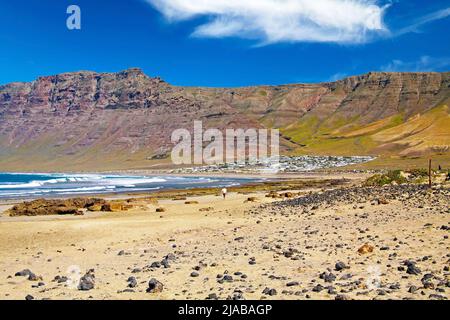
<point>305,247</point>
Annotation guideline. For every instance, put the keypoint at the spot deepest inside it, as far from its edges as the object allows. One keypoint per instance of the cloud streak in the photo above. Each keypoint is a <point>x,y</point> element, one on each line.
<point>273,21</point>
<point>423,64</point>
<point>435,16</point>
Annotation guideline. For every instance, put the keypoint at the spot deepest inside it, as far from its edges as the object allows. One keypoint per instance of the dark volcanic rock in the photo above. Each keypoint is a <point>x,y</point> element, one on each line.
<point>60,279</point>
<point>132,282</point>
<point>23,273</point>
<point>340,266</point>
<point>413,269</point>
<point>292,283</point>
<point>269,292</point>
<point>154,286</point>
<point>87,282</point>
<point>327,277</point>
<point>318,288</point>
<point>155,264</point>
<point>413,289</point>
<point>212,296</point>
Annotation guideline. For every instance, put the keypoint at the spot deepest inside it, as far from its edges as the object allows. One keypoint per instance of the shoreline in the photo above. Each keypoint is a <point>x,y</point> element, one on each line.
<point>236,174</point>
<point>259,179</point>
<point>260,186</point>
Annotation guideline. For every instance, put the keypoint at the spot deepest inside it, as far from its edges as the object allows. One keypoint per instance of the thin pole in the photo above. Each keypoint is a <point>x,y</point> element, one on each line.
<point>429,173</point>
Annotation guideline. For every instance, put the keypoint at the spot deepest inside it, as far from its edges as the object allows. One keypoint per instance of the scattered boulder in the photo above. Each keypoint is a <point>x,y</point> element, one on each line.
<point>155,264</point>
<point>412,268</point>
<point>33,277</point>
<point>413,289</point>
<point>116,206</point>
<point>132,282</point>
<point>340,266</point>
<point>165,263</point>
<point>327,277</point>
<point>382,200</point>
<point>154,286</point>
<point>212,296</point>
<point>318,288</point>
<point>95,208</point>
<point>227,278</point>
<point>87,282</point>
<point>29,274</point>
<point>292,284</point>
<point>273,194</point>
<point>60,279</point>
<point>269,292</point>
<point>365,249</point>
<point>23,273</point>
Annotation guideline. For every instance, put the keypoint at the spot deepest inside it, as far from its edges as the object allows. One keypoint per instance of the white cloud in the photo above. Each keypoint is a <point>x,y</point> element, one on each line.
<point>271,21</point>
<point>423,64</point>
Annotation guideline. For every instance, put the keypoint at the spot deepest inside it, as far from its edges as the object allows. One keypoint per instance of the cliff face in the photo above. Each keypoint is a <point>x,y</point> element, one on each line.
<point>123,120</point>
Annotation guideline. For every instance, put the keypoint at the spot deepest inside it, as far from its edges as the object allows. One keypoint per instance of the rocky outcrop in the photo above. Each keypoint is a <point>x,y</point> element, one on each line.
<point>74,206</point>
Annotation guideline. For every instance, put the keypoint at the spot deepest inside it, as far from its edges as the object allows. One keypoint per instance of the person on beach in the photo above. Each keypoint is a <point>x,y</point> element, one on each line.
<point>224,192</point>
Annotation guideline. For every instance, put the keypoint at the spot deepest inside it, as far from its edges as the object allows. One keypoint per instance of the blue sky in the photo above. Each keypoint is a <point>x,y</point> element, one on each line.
<point>225,43</point>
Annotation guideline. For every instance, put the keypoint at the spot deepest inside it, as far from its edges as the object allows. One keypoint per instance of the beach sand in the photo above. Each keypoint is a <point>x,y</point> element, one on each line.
<point>271,249</point>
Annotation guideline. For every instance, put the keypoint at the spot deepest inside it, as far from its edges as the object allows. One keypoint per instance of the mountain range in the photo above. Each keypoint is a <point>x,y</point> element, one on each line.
<point>107,121</point>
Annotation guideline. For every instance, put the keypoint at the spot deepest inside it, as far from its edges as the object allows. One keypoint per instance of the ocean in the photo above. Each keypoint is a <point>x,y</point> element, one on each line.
<point>31,185</point>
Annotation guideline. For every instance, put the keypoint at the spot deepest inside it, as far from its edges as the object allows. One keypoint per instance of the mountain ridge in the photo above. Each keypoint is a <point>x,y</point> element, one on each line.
<point>124,119</point>
<point>140,71</point>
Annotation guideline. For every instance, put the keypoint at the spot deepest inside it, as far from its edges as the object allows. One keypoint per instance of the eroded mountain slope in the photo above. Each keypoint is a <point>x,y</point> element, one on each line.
<point>124,120</point>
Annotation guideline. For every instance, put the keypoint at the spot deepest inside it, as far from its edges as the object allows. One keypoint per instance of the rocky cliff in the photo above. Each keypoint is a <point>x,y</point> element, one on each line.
<point>124,120</point>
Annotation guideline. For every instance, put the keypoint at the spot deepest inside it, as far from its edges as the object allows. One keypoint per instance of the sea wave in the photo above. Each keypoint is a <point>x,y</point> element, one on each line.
<point>102,180</point>
<point>47,185</point>
<point>32,184</point>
